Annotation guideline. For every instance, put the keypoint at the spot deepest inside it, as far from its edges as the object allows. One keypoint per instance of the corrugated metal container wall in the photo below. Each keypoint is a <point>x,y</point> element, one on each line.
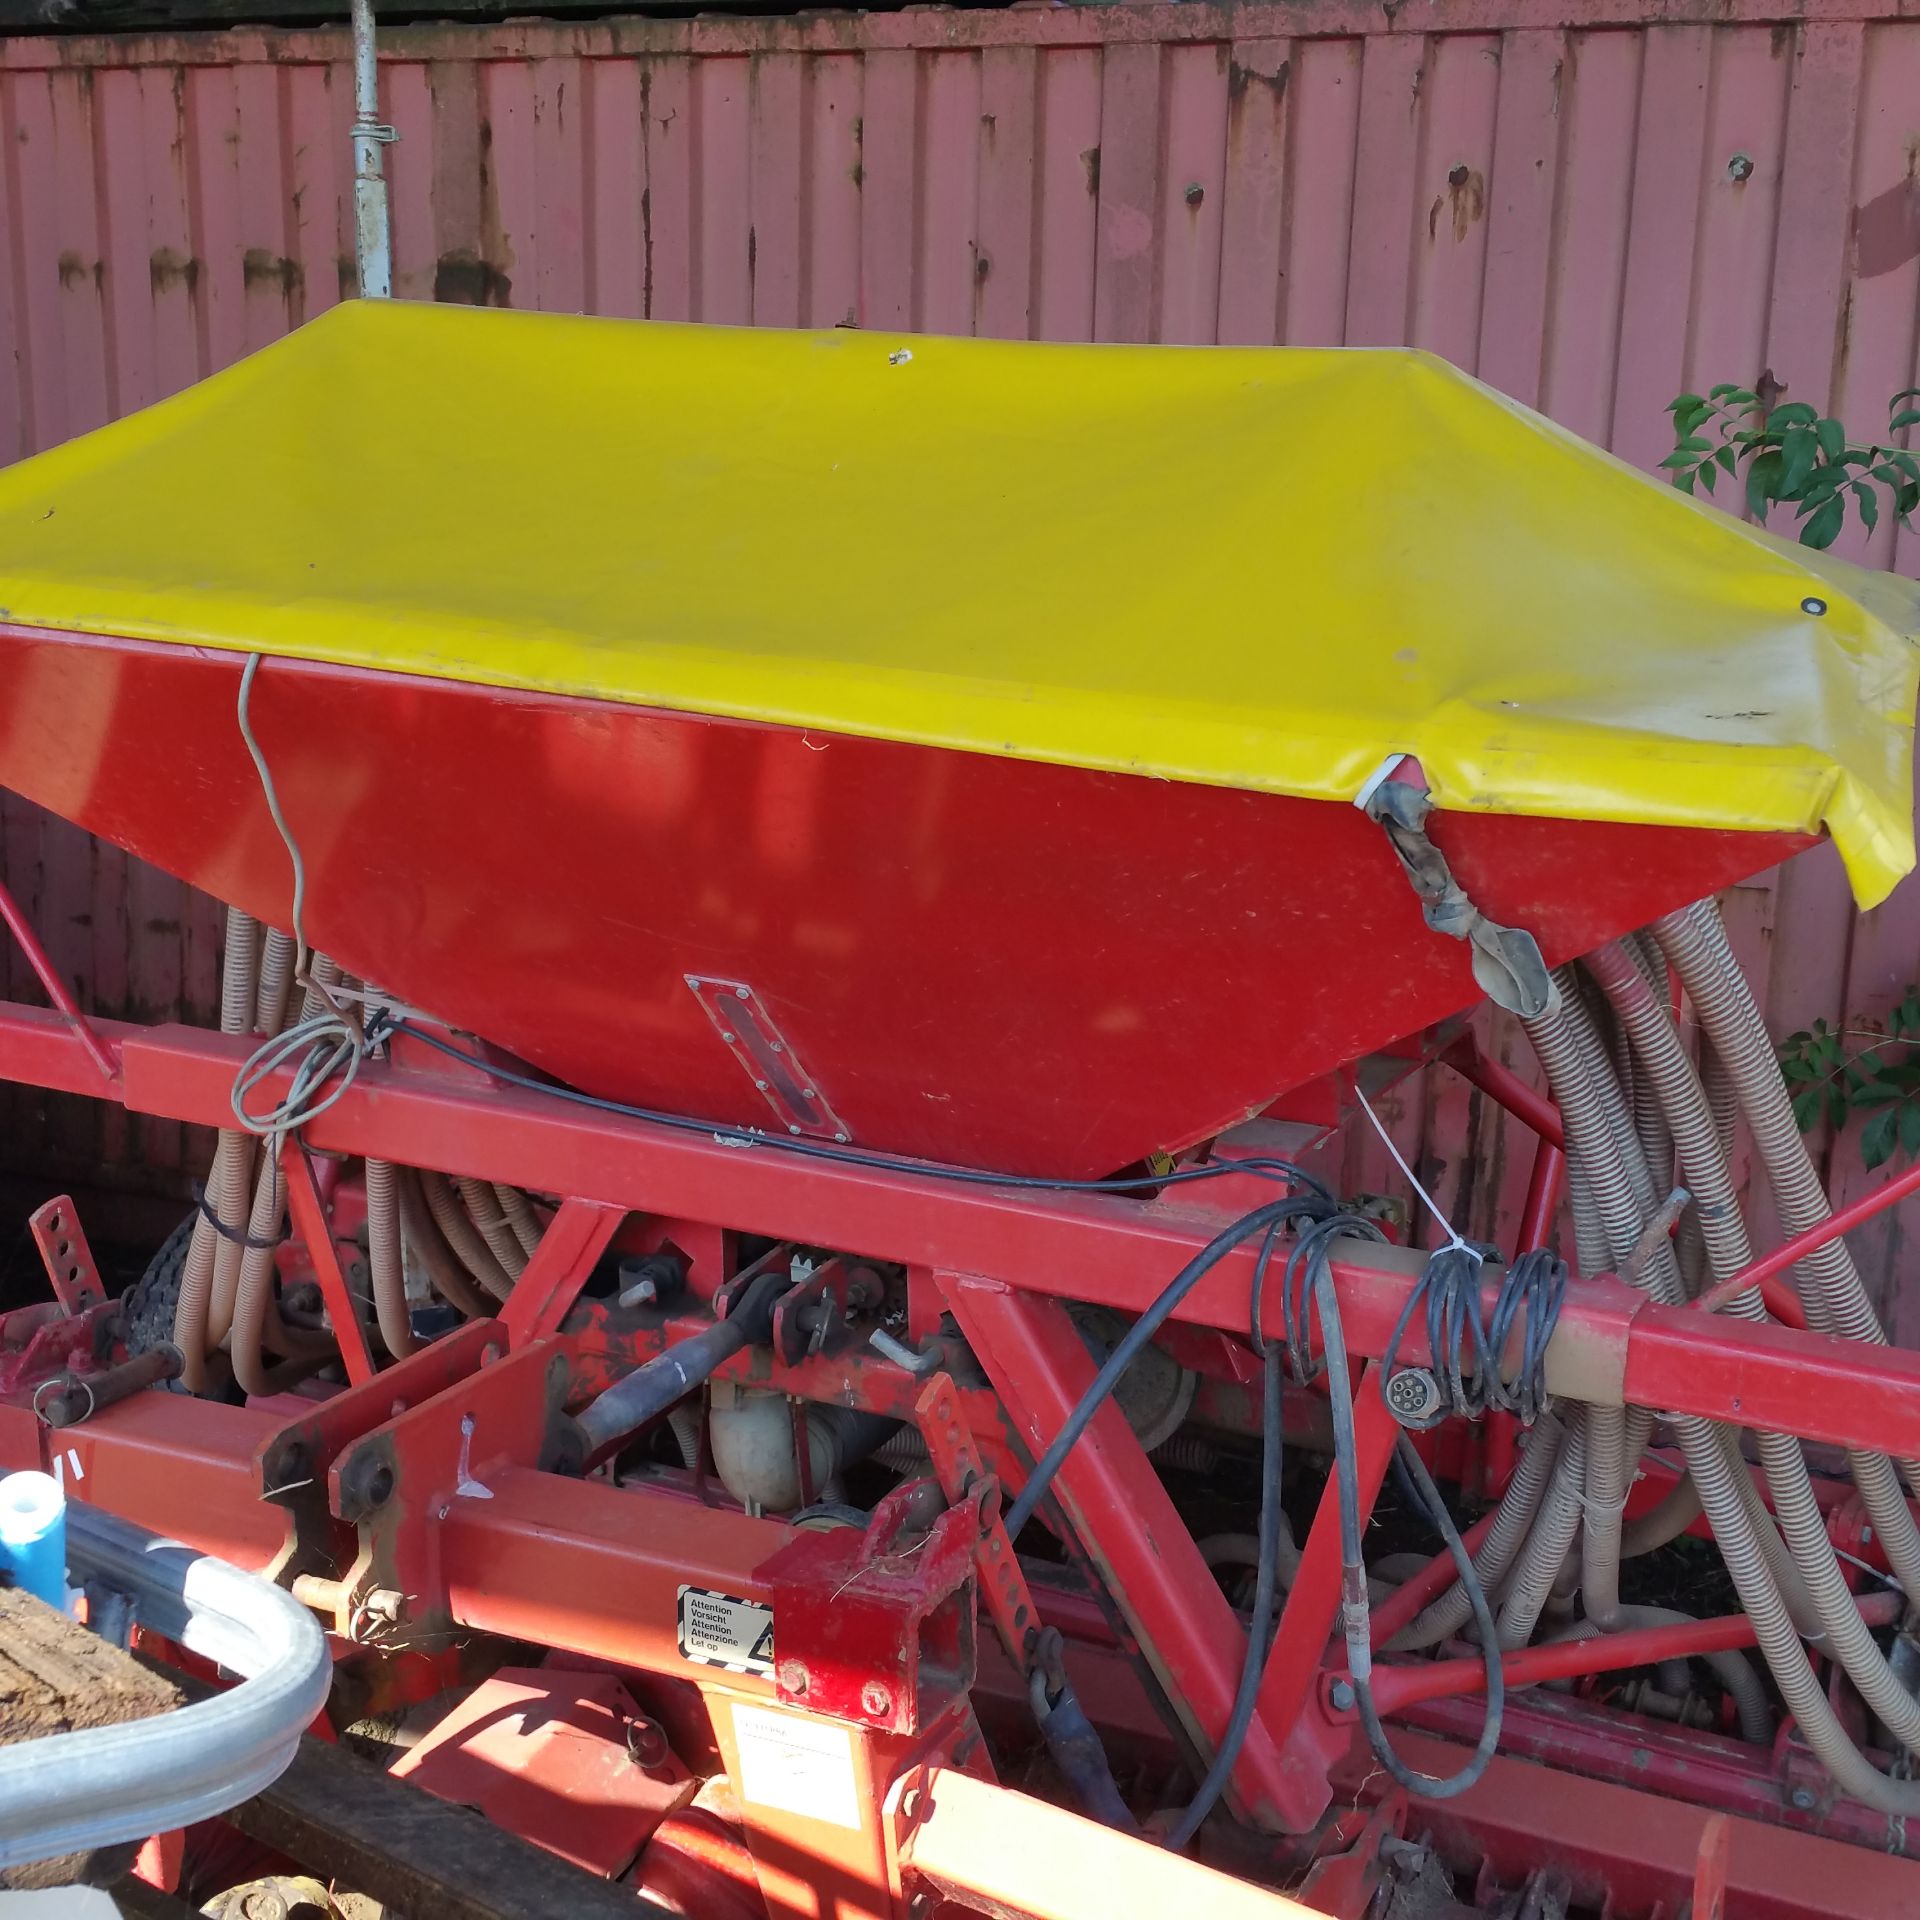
<point>1592,216</point>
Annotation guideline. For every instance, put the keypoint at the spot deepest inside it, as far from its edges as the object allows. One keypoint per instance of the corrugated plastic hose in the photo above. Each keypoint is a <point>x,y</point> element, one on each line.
<point>462,1236</point>
<point>1695,942</point>
<point>520,1217</point>
<point>484,1209</point>
<point>385,1260</point>
<point>1547,1546</point>
<point>1724,1492</point>
<point>252,1302</point>
<point>1513,1519</point>
<point>1846,1636</point>
<point>226,1184</point>
<point>448,1277</point>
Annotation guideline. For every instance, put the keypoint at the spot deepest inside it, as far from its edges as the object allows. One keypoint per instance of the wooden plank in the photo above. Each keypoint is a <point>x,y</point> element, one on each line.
<point>352,1824</point>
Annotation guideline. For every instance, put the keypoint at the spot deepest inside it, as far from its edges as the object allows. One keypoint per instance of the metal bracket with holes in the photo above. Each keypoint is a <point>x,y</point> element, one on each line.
<point>741,1019</point>
<point>69,1260</point>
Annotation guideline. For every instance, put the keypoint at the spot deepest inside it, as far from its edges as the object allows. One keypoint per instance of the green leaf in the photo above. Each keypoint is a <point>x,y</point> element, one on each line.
<point>1875,1093</point>
<point>1877,1137</point>
<point>1796,413</point>
<point>1908,463</point>
<point>1873,1064</point>
<point>1708,472</point>
<point>1763,487</point>
<point>1906,417</point>
<point>1680,403</point>
<point>1822,528</point>
<point>1726,457</point>
<point>1740,397</point>
<point>1824,483</point>
<point>1799,1070</point>
<point>1806,1109</point>
<point>1832,437</point>
<point>1836,1107</point>
<point>1905,393</point>
<point>1799,1039</point>
<point>1680,458</point>
<point>1684,481</point>
<point>1910,1128</point>
<point>1868,504</point>
<point>1798,451</point>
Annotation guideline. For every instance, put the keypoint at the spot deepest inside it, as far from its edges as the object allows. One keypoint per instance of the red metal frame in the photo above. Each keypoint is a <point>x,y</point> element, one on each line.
<point>419,1502</point>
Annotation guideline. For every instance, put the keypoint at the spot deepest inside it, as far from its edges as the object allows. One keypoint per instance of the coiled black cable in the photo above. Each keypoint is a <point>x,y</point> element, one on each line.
<point>1465,1348</point>
<point>1355,1615</point>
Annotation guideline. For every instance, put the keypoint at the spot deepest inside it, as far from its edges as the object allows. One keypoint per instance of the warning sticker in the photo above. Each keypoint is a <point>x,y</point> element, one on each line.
<point>804,1766</point>
<point>722,1630</point>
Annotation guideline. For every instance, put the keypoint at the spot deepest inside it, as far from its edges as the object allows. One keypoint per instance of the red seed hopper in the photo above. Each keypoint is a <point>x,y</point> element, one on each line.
<point>992,715</point>
<point>820,1406</point>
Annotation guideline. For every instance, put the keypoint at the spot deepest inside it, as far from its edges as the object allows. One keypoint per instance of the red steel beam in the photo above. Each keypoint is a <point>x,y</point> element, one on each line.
<point>1069,1245</point>
<point>1396,1688</point>
<point>1791,1252</point>
<point>1128,1524</point>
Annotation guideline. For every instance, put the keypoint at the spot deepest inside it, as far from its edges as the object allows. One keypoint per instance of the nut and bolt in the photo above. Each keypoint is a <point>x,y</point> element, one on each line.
<point>793,1676</point>
<point>643,1293</point>
<point>1802,1798</point>
<point>875,1699</point>
<point>1342,1696</point>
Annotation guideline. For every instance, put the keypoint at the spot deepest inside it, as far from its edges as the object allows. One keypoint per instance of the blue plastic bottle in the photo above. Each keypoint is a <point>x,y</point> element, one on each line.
<point>33,1535</point>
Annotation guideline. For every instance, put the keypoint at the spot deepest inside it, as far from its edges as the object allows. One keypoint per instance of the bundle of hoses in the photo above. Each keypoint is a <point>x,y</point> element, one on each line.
<point>470,1238</point>
<point>1641,1115</point>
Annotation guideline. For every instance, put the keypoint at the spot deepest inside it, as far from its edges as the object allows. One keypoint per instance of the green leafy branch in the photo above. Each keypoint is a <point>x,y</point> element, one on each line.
<point>1829,1083</point>
<point>1794,456</point>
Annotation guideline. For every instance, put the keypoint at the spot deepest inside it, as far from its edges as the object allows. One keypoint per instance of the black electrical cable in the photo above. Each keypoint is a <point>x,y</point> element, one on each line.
<point>1266,1575</point>
<point>1355,1614</point>
<point>1273,1214</point>
<point>1464,1348</point>
<point>1266,1167</point>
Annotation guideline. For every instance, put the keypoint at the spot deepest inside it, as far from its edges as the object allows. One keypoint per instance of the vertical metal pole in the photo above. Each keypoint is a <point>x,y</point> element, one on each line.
<point>372,237</point>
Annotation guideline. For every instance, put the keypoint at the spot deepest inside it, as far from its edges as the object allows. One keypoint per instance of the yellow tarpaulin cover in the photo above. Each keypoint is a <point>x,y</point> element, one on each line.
<point>1250,568</point>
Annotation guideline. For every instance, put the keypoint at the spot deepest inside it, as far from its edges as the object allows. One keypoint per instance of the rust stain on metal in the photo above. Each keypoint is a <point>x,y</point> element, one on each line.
<point>168,268</point>
<point>1466,196</point>
<point>75,269</point>
<point>262,267</point>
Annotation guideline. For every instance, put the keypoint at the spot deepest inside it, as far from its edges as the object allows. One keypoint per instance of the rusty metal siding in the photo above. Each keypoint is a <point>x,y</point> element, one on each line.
<point>1591,203</point>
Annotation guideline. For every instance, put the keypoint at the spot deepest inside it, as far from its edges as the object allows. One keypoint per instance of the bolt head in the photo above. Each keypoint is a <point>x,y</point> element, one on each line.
<point>1814,605</point>
<point>793,1676</point>
<point>1342,1696</point>
<point>875,1698</point>
<point>739,993</point>
<point>1802,1798</point>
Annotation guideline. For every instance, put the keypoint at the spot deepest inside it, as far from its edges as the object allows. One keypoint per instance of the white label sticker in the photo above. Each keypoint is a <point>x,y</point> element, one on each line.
<point>722,1630</point>
<point>799,1765</point>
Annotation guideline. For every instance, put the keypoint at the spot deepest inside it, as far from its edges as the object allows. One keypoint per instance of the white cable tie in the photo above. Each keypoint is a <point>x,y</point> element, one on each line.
<point>1377,779</point>
<point>1432,1206</point>
<point>1602,1509</point>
